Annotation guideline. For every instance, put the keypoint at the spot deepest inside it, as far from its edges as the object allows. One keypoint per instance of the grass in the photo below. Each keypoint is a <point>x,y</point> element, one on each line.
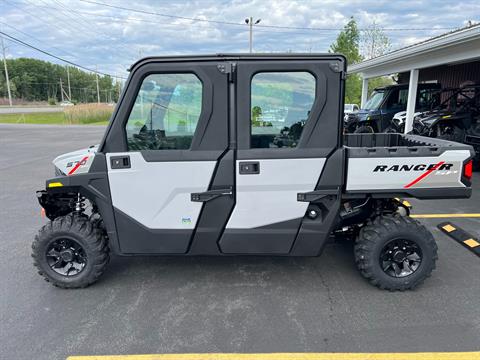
<point>33,118</point>
<point>88,114</point>
<point>92,114</point>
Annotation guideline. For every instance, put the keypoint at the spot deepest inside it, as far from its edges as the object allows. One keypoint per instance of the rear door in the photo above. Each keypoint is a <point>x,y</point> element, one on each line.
<point>165,144</point>
<point>288,123</point>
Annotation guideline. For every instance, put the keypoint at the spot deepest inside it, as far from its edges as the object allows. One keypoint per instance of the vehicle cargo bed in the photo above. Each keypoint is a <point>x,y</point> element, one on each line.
<point>406,165</point>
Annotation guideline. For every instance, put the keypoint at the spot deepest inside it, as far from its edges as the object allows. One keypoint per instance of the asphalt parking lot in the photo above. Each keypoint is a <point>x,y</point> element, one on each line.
<point>185,305</point>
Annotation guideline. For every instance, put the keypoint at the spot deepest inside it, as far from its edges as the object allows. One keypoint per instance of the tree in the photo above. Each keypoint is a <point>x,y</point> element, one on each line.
<point>347,43</point>
<point>37,80</point>
<point>380,81</point>
<point>374,42</point>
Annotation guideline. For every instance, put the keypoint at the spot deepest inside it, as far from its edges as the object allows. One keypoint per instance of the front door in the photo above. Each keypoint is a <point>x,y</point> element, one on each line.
<point>172,131</point>
<point>288,123</point>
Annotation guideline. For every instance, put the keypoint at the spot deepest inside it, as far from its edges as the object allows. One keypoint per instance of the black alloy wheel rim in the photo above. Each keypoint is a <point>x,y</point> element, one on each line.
<point>66,257</point>
<point>400,258</point>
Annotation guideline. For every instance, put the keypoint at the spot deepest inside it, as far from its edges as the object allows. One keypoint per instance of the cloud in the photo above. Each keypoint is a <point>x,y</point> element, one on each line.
<point>94,35</point>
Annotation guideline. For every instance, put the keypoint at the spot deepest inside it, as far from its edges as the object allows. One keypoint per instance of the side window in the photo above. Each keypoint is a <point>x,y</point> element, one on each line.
<point>397,99</point>
<point>166,112</point>
<point>403,97</point>
<point>280,105</point>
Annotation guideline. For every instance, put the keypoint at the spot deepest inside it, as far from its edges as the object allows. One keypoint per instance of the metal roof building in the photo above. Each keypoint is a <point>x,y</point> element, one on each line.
<point>448,59</point>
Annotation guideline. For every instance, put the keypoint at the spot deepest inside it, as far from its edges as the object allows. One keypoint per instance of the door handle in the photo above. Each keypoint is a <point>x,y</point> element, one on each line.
<point>120,162</point>
<point>210,195</point>
<point>316,195</point>
<point>249,167</point>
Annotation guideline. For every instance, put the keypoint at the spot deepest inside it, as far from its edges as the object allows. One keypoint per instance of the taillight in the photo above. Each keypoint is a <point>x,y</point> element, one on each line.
<point>468,169</point>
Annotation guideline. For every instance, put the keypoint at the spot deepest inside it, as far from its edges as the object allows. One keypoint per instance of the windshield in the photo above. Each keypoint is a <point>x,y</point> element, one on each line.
<point>375,100</point>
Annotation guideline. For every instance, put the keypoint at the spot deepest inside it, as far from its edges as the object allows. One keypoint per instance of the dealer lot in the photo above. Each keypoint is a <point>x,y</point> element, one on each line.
<point>233,304</point>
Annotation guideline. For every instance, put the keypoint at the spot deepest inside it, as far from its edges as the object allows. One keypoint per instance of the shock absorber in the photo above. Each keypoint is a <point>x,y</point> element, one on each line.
<point>79,205</point>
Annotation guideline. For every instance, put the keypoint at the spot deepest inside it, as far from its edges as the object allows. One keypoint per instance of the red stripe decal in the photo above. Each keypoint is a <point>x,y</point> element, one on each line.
<point>78,165</point>
<point>424,175</point>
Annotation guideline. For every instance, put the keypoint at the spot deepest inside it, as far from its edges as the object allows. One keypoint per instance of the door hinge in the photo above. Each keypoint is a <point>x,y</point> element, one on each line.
<point>336,67</point>
<point>228,68</point>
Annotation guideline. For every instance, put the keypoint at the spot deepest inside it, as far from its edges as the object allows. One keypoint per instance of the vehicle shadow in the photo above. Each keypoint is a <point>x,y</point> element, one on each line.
<point>336,261</point>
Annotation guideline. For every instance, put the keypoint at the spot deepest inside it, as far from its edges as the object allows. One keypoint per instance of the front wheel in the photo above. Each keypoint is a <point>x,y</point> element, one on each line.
<point>395,252</point>
<point>364,129</point>
<point>70,252</point>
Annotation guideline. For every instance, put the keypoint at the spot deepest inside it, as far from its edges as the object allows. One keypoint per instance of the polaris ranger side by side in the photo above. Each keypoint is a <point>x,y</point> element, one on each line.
<point>244,155</point>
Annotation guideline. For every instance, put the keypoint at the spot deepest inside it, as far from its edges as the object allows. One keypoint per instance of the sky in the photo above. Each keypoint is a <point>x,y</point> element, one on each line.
<point>93,35</point>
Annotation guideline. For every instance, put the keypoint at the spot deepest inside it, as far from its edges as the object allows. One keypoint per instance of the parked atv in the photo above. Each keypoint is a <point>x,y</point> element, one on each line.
<point>185,169</point>
<point>457,118</point>
<point>399,120</point>
<point>385,102</point>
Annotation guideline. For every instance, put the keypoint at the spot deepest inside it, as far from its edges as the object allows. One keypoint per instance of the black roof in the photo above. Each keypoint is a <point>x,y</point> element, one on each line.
<point>405,85</point>
<point>238,56</point>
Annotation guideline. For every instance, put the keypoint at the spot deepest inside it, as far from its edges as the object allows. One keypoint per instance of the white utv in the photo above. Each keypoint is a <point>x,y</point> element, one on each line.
<point>244,155</point>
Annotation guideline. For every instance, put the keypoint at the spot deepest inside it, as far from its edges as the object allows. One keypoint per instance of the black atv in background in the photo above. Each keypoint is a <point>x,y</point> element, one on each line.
<point>377,114</point>
<point>456,119</point>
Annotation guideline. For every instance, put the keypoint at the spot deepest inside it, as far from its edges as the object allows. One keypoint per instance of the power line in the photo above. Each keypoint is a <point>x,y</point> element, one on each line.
<point>85,22</point>
<point>280,30</point>
<point>12,38</point>
<point>124,20</point>
<point>67,27</point>
<point>241,24</point>
<point>35,38</point>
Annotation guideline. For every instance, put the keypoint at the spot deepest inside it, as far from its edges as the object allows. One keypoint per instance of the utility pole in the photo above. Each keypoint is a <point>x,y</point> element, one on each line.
<point>61,90</point>
<point>6,72</point>
<point>250,23</point>
<point>98,87</point>
<point>68,80</point>
<point>119,88</point>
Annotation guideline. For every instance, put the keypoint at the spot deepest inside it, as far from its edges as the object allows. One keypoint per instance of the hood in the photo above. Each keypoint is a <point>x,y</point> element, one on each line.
<point>402,116</point>
<point>362,114</point>
<point>431,118</point>
<point>75,162</point>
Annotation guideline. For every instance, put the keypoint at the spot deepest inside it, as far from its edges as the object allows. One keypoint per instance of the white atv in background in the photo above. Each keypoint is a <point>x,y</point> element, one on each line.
<point>348,110</point>
<point>244,155</point>
<point>399,119</point>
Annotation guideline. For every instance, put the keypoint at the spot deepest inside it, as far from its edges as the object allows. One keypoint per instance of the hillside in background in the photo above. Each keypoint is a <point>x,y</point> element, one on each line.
<point>33,80</point>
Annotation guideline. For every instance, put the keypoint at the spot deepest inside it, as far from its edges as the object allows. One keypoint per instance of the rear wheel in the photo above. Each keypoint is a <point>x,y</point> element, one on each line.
<point>70,252</point>
<point>395,252</point>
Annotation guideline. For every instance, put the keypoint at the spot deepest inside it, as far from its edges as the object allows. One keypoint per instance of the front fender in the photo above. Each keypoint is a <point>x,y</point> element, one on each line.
<point>60,193</point>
